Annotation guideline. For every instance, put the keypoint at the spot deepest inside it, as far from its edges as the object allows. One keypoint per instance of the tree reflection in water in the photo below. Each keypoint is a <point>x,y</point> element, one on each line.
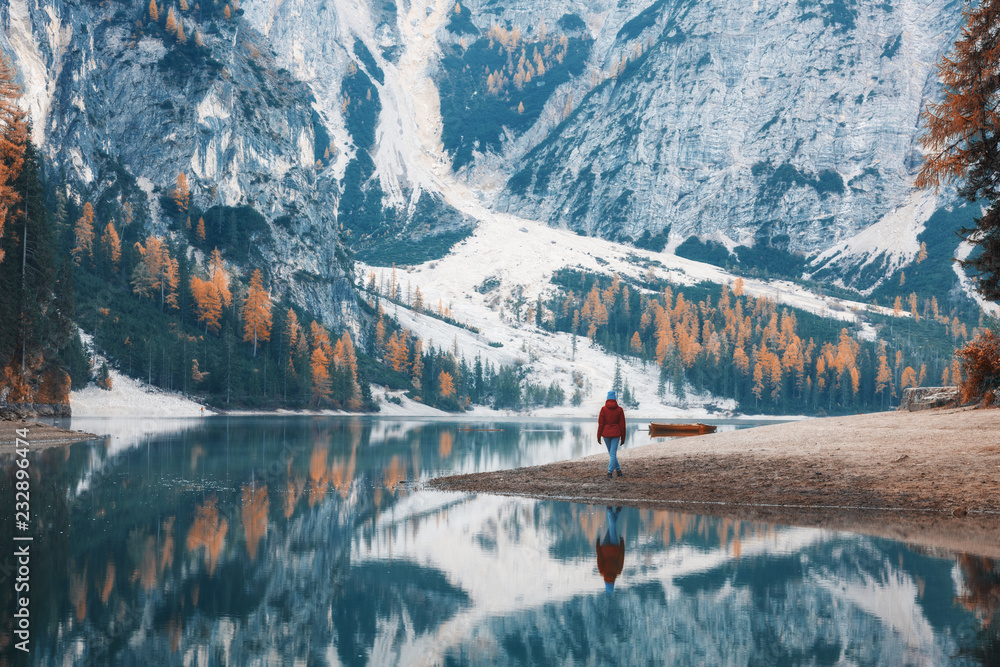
<point>312,539</point>
<point>981,596</point>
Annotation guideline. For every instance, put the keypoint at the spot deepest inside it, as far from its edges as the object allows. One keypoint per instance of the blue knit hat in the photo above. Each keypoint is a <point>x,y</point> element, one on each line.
<point>612,396</point>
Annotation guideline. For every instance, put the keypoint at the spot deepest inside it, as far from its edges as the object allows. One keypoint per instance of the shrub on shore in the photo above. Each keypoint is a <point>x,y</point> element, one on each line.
<point>980,360</point>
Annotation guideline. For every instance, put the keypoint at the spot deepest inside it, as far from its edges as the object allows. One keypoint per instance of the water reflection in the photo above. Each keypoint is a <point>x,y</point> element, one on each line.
<point>267,540</point>
<point>611,551</point>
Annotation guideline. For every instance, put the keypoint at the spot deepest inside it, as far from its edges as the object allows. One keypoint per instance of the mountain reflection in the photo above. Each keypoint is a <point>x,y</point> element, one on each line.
<point>260,540</point>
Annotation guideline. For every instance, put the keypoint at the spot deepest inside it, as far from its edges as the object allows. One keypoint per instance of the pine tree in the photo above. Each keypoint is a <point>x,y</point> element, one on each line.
<point>182,193</point>
<point>418,300</point>
<point>208,303</point>
<point>112,246</point>
<point>84,233</point>
<point>446,385</point>
<point>417,372</point>
<point>171,26</point>
<point>227,13</point>
<point>154,13</point>
<point>320,364</point>
<point>36,302</point>
<point>256,312</point>
<point>379,335</point>
<point>962,133</point>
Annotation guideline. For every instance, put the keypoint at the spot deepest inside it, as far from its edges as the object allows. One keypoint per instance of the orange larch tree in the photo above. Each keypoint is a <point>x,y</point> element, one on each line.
<point>398,352</point>
<point>171,26</point>
<point>962,137</point>
<point>181,193</point>
<point>257,312</point>
<point>157,270</point>
<point>207,303</point>
<point>112,246</point>
<point>84,235</point>
<point>220,278</point>
<point>320,365</point>
<point>351,361</point>
<point>446,385</point>
<point>253,513</point>
<point>13,139</point>
<point>636,344</point>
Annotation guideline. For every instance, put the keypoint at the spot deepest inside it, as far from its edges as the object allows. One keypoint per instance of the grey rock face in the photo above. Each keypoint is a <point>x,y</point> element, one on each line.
<point>790,124</point>
<point>745,122</point>
<point>120,107</point>
<point>926,398</point>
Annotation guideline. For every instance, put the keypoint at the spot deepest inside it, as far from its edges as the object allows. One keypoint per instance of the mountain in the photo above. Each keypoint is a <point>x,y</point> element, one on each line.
<point>776,140</point>
<point>789,126</point>
<point>120,108</point>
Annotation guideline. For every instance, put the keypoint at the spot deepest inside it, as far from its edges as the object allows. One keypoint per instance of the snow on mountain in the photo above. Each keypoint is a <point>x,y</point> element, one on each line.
<point>519,256</point>
<point>892,239</point>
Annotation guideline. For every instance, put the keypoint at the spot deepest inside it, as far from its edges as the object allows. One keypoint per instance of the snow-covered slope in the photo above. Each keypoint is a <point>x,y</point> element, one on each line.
<point>520,256</point>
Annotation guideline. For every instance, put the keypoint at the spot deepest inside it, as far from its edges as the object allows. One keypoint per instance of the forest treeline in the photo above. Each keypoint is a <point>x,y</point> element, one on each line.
<point>771,359</point>
<point>188,308</point>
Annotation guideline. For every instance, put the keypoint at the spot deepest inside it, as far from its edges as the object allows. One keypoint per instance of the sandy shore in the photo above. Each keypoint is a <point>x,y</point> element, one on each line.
<point>931,477</point>
<point>40,436</point>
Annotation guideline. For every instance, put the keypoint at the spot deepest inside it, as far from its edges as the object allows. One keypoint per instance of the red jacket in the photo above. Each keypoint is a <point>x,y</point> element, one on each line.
<point>610,559</point>
<point>611,421</point>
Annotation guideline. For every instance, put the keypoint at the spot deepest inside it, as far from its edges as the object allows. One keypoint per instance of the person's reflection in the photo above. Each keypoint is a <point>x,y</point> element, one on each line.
<point>611,551</point>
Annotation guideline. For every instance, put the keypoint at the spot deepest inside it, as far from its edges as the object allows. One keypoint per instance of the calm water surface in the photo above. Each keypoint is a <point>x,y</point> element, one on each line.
<point>311,540</point>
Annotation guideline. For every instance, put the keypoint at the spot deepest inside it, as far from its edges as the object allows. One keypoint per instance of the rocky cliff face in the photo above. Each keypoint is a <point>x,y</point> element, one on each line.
<point>120,106</point>
<point>789,123</point>
<point>792,125</point>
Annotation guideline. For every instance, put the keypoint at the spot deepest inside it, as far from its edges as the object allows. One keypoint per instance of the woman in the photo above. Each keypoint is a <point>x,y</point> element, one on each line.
<point>611,427</point>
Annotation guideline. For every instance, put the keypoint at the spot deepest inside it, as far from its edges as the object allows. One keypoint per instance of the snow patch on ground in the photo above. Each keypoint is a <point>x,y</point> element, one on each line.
<point>550,358</point>
<point>894,235</point>
<point>964,250</point>
<point>521,256</point>
<point>128,397</point>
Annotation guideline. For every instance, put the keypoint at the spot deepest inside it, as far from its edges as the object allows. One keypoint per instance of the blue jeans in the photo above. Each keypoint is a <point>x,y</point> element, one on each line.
<point>611,537</point>
<point>612,445</point>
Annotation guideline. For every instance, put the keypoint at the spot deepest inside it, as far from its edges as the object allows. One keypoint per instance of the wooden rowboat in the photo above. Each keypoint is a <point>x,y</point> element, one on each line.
<point>661,430</point>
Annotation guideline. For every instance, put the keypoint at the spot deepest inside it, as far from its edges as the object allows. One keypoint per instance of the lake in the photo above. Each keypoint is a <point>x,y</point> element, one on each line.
<point>273,540</point>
